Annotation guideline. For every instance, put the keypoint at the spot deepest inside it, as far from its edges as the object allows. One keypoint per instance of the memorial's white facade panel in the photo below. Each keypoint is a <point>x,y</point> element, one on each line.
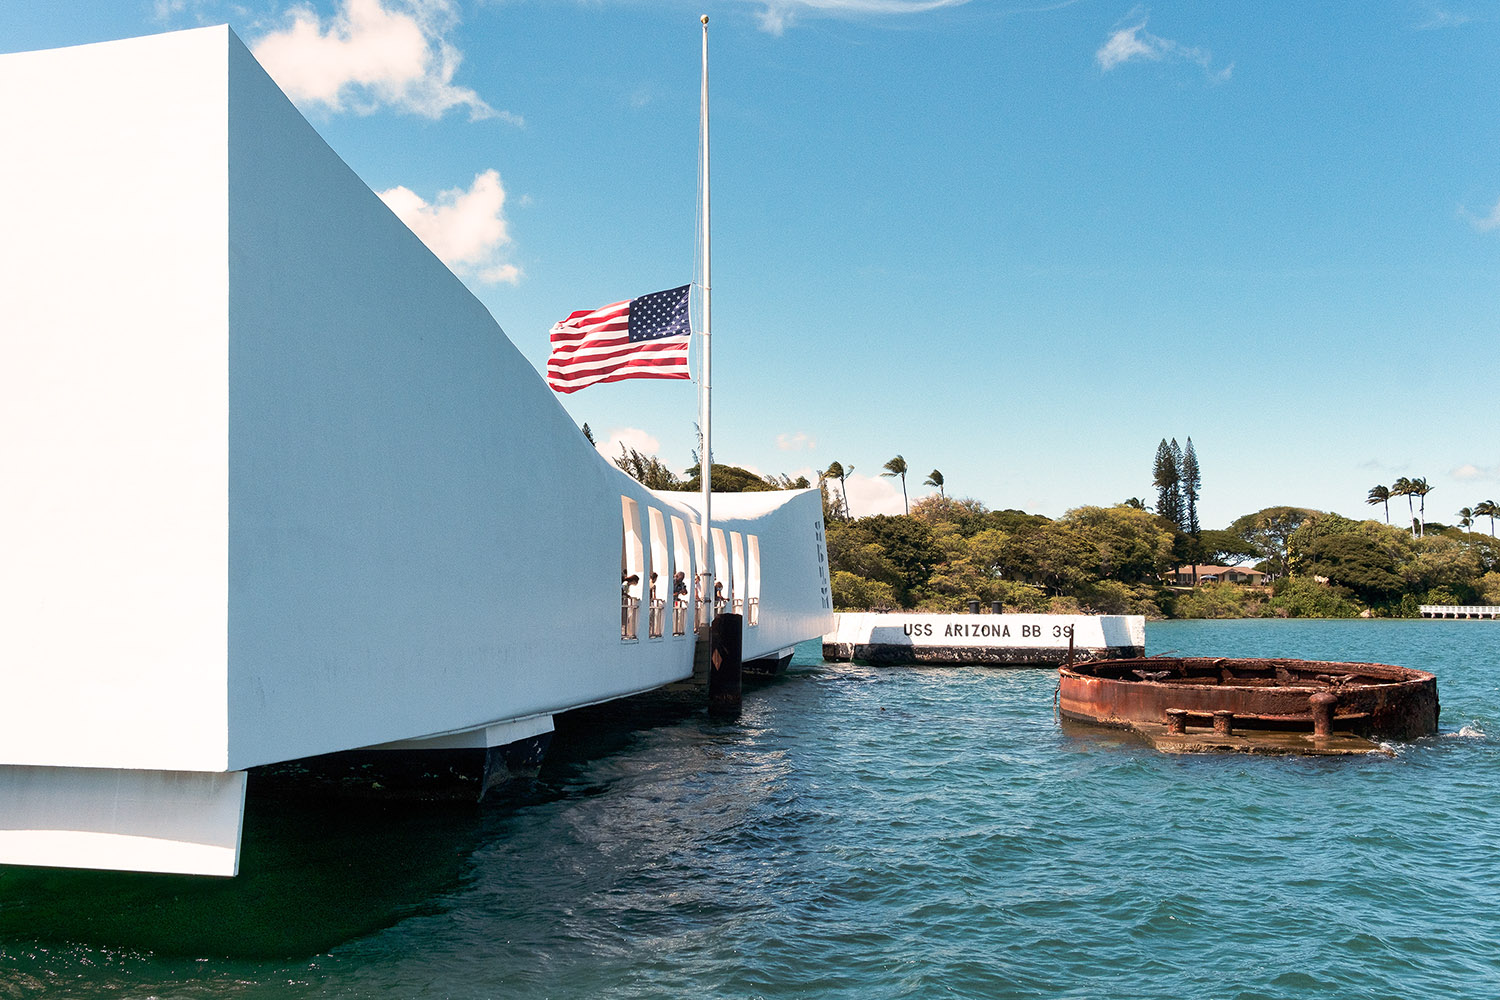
<point>277,483</point>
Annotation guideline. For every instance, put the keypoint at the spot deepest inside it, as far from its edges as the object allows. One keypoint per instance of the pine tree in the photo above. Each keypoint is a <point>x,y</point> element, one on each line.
<point>1191,482</point>
<point>1167,481</point>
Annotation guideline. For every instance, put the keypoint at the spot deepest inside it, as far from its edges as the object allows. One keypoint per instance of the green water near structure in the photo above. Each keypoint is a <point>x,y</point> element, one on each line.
<point>859,832</point>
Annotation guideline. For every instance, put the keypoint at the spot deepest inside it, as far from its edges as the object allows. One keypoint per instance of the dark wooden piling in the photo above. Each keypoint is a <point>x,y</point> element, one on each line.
<point>724,675</point>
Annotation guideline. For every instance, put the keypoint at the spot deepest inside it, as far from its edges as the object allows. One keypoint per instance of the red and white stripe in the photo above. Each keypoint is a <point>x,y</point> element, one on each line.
<point>593,346</point>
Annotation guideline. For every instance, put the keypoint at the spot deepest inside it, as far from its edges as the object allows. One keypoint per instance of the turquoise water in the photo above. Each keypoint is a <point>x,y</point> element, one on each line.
<point>860,832</point>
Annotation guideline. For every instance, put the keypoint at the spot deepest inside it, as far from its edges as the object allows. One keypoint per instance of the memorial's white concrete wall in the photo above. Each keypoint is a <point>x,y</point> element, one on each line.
<point>114,405</point>
<point>277,483</point>
<point>415,523</point>
<point>796,601</point>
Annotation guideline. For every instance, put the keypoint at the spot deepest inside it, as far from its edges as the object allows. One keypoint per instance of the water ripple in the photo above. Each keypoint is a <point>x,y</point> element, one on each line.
<point>886,833</point>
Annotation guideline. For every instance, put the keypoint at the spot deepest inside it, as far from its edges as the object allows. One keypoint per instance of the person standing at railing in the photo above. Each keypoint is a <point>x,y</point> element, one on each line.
<point>628,604</point>
<point>679,603</point>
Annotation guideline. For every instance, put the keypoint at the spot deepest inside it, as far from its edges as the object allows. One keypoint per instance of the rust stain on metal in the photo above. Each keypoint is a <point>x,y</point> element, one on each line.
<point>1239,700</point>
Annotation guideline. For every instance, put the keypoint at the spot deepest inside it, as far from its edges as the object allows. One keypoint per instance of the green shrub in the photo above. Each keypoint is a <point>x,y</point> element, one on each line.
<point>1443,595</point>
<point>1301,597</point>
<point>1111,597</point>
<point>855,593</point>
<point>1221,600</point>
<point>1024,599</point>
<point>942,604</point>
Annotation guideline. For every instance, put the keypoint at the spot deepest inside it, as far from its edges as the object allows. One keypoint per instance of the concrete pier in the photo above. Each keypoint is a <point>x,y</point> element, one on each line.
<point>994,640</point>
<point>1460,611</point>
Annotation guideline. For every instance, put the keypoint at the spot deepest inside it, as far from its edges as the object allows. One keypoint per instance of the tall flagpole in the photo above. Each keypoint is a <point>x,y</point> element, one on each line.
<point>705,460</point>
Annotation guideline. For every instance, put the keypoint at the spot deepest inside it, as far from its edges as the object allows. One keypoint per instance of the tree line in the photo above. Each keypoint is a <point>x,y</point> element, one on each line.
<point>1409,488</point>
<point>896,467</point>
<point>1122,559</point>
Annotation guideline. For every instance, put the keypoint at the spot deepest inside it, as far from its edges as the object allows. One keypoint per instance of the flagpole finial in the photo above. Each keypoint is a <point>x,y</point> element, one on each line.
<point>704,19</point>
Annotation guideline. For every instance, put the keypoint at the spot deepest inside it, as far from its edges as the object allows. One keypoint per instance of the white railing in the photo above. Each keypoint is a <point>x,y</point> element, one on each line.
<point>752,611</point>
<point>679,618</point>
<point>628,605</point>
<point>1459,611</point>
<point>655,619</point>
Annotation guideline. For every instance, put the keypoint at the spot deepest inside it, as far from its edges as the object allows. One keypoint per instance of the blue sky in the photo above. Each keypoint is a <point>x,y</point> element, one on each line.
<point>1018,243</point>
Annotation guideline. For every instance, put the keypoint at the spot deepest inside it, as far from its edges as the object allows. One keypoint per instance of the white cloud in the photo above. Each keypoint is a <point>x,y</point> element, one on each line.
<point>1134,43</point>
<point>372,54</point>
<point>1440,17</point>
<point>776,15</point>
<point>1484,224</point>
<point>166,10</point>
<point>466,229</point>
<point>795,442</point>
<point>1475,473</point>
<point>629,437</point>
<point>1125,45</point>
<point>874,495</point>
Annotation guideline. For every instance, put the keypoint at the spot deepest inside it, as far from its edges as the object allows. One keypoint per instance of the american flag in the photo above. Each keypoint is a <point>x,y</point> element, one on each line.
<point>646,337</point>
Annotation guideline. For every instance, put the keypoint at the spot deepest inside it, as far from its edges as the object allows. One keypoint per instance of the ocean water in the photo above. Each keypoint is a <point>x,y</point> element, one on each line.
<point>859,832</point>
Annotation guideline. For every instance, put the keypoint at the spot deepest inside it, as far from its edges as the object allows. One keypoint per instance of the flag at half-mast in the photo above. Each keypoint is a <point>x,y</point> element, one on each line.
<point>645,337</point>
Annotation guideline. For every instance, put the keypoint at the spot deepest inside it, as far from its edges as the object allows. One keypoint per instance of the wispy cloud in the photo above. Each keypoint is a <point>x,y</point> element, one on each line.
<point>166,10</point>
<point>776,15</point>
<point>372,54</point>
<point>795,442</point>
<point>1432,16</point>
<point>1133,43</point>
<point>1483,223</point>
<point>1471,473</point>
<point>466,229</point>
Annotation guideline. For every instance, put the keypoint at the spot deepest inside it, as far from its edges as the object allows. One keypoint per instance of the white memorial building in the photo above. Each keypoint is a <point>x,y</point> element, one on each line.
<point>277,485</point>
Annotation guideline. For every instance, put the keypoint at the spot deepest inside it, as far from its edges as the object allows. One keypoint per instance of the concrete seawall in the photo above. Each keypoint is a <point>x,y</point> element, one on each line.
<point>996,640</point>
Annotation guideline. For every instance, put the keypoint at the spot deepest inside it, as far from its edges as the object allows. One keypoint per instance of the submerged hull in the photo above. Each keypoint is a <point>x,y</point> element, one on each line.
<point>1228,696</point>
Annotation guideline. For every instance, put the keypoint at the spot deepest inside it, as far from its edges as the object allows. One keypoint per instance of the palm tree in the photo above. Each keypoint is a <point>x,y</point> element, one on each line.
<point>1403,488</point>
<point>935,478</point>
<point>1489,509</point>
<point>833,471</point>
<point>837,471</point>
<point>1466,517</point>
<point>1420,489</point>
<point>1380,494</point>
<point>897,467</point>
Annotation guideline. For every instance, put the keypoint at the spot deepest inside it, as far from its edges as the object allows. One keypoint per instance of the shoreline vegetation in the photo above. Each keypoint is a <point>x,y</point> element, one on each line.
<point>1123,559</point>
